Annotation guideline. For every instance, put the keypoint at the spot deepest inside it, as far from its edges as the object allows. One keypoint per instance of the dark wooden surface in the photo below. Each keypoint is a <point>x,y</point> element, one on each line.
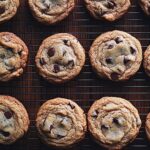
<point>32,90</point>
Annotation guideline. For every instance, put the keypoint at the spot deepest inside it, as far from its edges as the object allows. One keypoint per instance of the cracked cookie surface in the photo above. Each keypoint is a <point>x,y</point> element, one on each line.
<point>145,5</point>
<point>14,120</point>
<point>113,122</point>
<point>60,58</point>
<point>109,10</point>
<point>8,8</point>
<point>116,55</point>
<point>61,123</point>
<point>51,11</point>
<point>13,56</point>
<point>146,62</point>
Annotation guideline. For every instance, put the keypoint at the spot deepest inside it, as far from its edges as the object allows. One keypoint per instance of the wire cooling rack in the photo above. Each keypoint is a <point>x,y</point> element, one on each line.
<point>32,90</point>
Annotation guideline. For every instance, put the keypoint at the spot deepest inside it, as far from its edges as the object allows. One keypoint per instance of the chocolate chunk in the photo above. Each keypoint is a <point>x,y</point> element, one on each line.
<point>126,60</point>
<point>118,40</point>
<point>60,136</point>
<point>115,120</point>
<point>110,46</point>
<point>95,114</point>
<point>65,42</point>
<point>71,63</point>
<point>51,52</point>
<point>104,127</point>
<point>42,61</point>
<point>111,4</point>
<point>6,134</point>
<point>114,76</point>
<point>2,10</point>
<point>133,50</point>
<point>71,105</point>
<point>109,60</point>
<point>56,68</point>
<point>10,49</point>
<point>20,53</point>
<point>51,127</point>
<point>8,114</point>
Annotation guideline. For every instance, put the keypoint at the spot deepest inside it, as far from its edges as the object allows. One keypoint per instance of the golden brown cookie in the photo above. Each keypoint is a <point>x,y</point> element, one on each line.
<point>60,58</point>
<point>61,123</point>
<point>145,5</point>
<point>14,120</point>
<point>116,55</point>
<point>51,11</point>
<point>8,9</point>
<point>147,126</point>
<point>146,62</point>
<point>109,10</point>
<point>13,56</point>
<point>113,122</point>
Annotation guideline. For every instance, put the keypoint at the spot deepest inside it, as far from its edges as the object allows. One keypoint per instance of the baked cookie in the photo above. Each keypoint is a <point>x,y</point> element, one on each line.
<point>145,5</point>
<point>8,9</point>
<point>60,58</point>
<point>109,10</point>
<point>113,122</point>
<point>61,123</point>
<point>13,56</point>
<point>147,126</point>
<point>116,55</point>
<point>146,62</point>
<point>51,11</point>
<point>14,120</point>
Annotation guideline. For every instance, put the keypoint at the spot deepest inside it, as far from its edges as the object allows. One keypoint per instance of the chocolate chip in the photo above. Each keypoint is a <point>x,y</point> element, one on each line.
<point>2,10</point>
<point>8,114</point>
<point>110,46</point>
<point>56,68</point>
<point>104,127</point>
<point>114,76</point>
<point>20,53</point>
<point>51,52</point>
<point>109,60</point>
<point>60,136</point>
<point>65,42</point>
<point>9,49</point>
<point>115,120</point>
<point>133,50</point>
<point>95,114</point>
<point>71,63</point>
<point>71,105</point>
<point>42,61</point>
<point>51,127</point>
<point>6,134</point>
<point>126,60</point>
<point>111,4</point>
<point>118,40</point>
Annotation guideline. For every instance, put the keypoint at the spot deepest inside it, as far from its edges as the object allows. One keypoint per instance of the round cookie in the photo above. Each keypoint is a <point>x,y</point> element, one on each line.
<point>8,9</point>
<point>145,5</point>
<point>51,11</point>
<point>60,58</point>
<point>147,126</point>
<point>14,120</point>
<point>113,122</point>
<point>116,55</point>
<point>146,62</point>
<point>109,10</point>
<point>61,123</point>
<point>13,56</point>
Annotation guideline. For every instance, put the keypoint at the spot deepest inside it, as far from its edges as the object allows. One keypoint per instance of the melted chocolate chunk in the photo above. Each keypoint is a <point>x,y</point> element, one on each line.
<point>71,63</point>
<point>110,46</point>
<point>114,76</point>
<point>20,53</point>
<point>133,50</point>
<point>2,10</point>
<point>56,68</point>
<point>109,60</point>
<point>95,114</point>
<point>42,61</point>
<point>104,127</point>
<point>118,40</point>
<point>51,127</point>
<point>8,114</point>
<point>126,60</point>
<point>51,52</point>
<point>6,134</point>
<point>115,120</point>
<point>65,42</point>
<point>71,105</point>
<point>111,4</point>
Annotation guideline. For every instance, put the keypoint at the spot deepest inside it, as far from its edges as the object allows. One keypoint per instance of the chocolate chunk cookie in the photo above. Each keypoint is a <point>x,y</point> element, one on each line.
<point>13,56</point>
<point>116,55</point>
<point>60,58</point>
<point>8,8</point>
<point>14,120</point>
<point>113,122</point>
<point>145,5</point>
<point>147,126</point>
<point>109,10</point>
<point>146,62</point>
<point>51,11</point>
<point>61,123</point>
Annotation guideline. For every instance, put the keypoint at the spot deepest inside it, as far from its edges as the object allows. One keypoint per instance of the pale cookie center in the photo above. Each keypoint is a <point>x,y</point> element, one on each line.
<point>57,126</point>
<point>118,55</point>
<point>106,6</point>
<point>58,57</point>
<point>9,60</point>
<point>7,122</point>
